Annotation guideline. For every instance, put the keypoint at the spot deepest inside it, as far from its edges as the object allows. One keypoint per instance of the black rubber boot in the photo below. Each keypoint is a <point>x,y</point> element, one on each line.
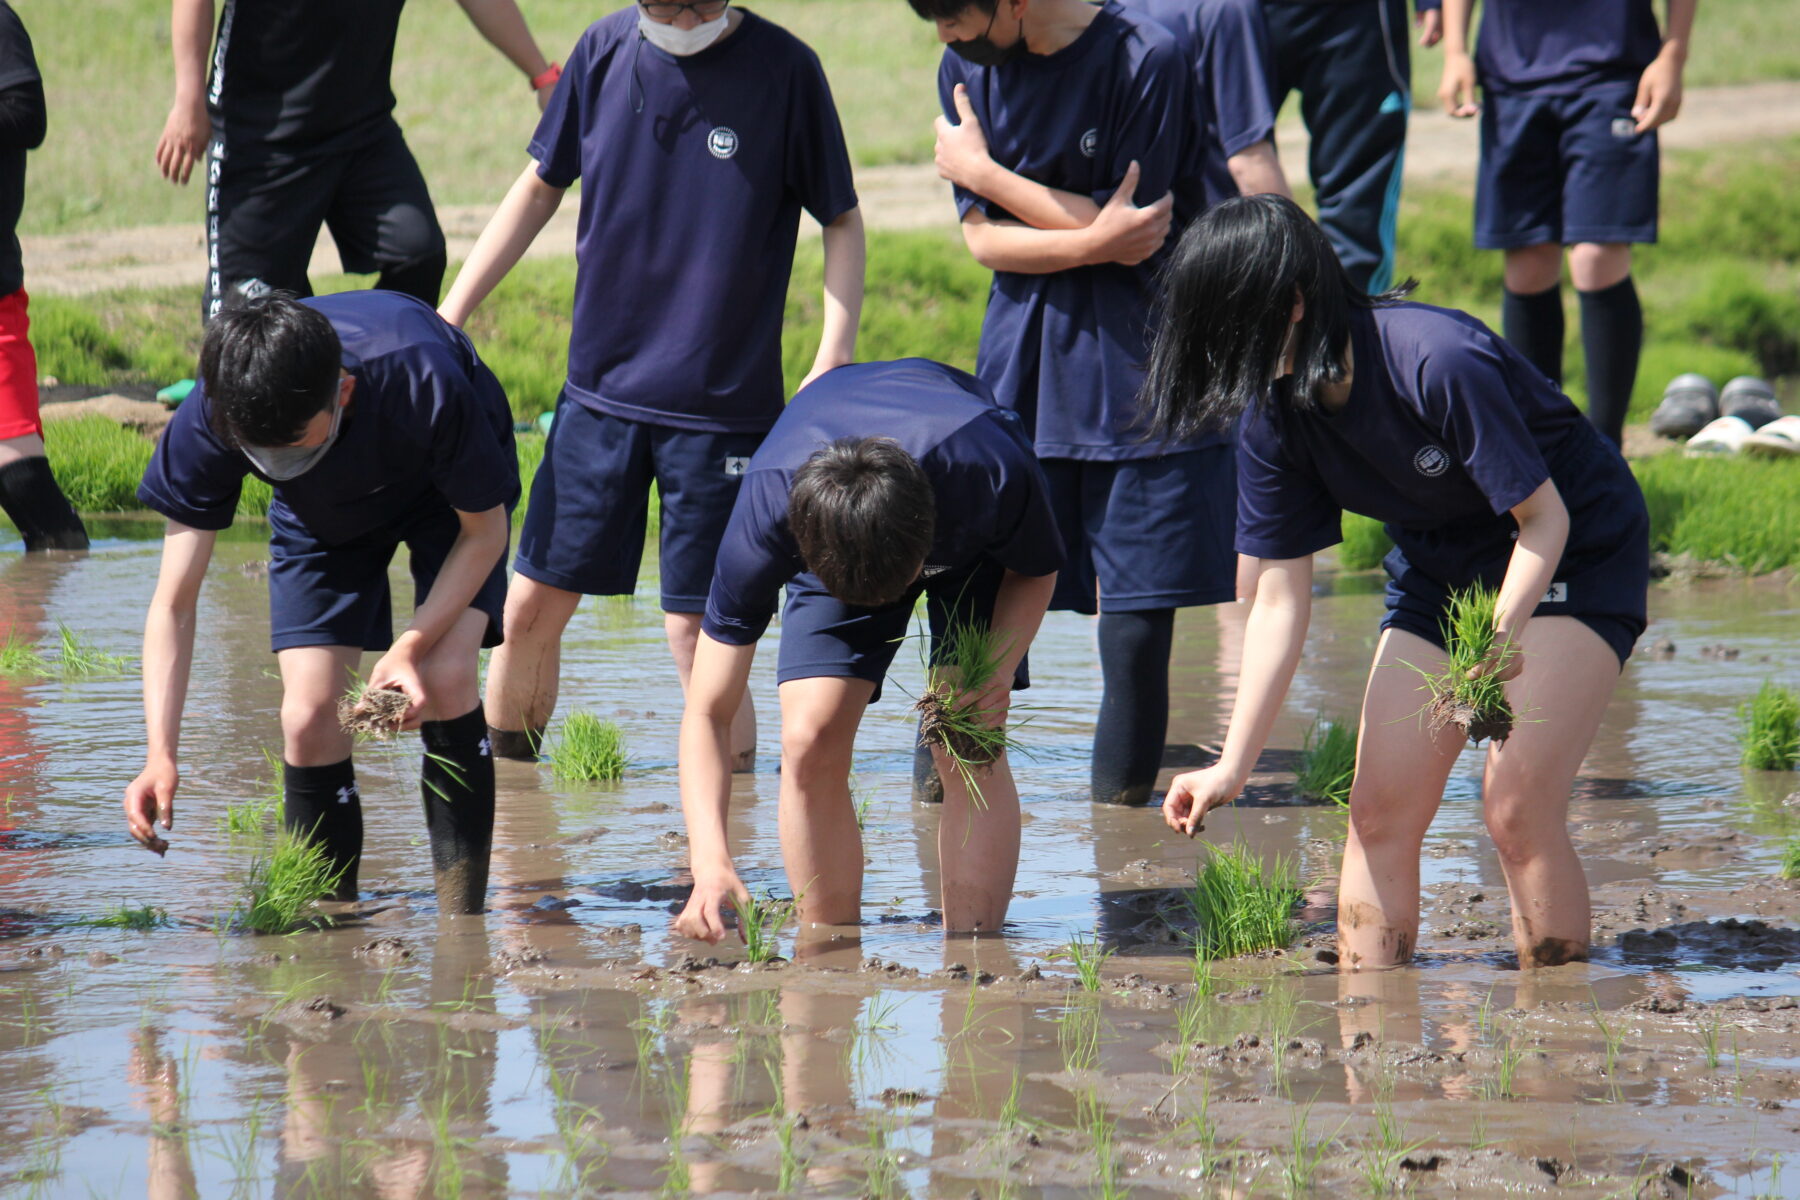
<point>36,505</point>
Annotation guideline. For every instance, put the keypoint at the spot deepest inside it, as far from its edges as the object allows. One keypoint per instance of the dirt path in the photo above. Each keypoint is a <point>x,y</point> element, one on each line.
<point>900,197</point>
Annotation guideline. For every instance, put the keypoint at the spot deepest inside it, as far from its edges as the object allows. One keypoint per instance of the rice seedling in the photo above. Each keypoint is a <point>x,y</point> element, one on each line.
<point>1790,857</point>
<point>761,922</point>
<point>1241,905</point>
<point>1478,705</point>
<point>1379,1162</point>
<point>1709,1035</point>
<point>1087,955</point>
<point>1327,762</point>
<point>791,1171</point>
<point>1610,1034</point>
<point>284,883</point>
<point>881,1164</point>
<point>1770,734</point>
<point>588,750</point>
<point>376,712</point>
<point>250,816</point>
<point>1102,1128</point>
<point>19,658</point>
<point>1078,1036</point>
<point>79,659</point>
<point>143,917</point>
<point>950,716</point>
<point>1300,1165</point>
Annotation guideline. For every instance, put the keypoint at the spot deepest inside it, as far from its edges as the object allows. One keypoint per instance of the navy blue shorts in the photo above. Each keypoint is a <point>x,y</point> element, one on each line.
<point>1146,533</point>
<point>322,595</point>
<point>584,530</point>
<point>1564,169</point>
<point>824,638</point>
<point>1603,580</point>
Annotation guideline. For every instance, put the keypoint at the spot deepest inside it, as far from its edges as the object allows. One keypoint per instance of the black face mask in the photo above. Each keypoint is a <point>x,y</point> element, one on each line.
<point>981,50</point>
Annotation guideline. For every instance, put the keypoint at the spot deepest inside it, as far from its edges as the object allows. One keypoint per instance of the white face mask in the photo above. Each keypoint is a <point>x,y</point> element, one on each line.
<point>282,463</point>
<point>683,42</point>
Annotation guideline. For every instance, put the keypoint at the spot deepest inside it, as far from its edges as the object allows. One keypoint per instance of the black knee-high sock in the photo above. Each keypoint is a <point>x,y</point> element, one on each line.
<point>322,805</point>
<point>1134,704</point>
<point>457,786</point>
<point>1533,323</point>
<point>520,744</point>
<point>1612,335</point>
<point>36,505</point>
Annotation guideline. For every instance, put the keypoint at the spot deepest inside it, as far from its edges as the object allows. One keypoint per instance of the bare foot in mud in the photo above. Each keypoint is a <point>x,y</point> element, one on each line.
<point>374,711</point>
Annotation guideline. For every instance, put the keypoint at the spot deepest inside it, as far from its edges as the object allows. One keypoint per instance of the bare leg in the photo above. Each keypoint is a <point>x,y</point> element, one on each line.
<point>1400,774</point>
<point>1532,269</point>
<point>683,632</point>
<point>524,670</point>
<point>312,679</point>
<point>820,843</point>
<point>1560,697</point>
<point>978,846</point>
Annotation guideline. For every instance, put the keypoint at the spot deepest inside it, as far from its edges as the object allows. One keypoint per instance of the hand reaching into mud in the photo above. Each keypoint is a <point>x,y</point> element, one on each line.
<point>150,801</point>
<point>704,917</point>
<point>397,669</point>
<point>1193,795</point>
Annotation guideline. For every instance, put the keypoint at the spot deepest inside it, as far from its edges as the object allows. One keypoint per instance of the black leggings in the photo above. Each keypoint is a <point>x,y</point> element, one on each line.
<point>1134,704</point>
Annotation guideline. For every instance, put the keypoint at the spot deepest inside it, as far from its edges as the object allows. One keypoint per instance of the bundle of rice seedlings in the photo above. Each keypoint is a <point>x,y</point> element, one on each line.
<point>377,712</point>
<point>761,922</point>
<point>19,659</point>
<point>588,749</point>
<point>1477,706</point>
<point>1327,762</point>
<point>78,659</point>
<point>143,917</point>
<point>1242,905</point>
<point>284,883</point>
<point>950,715</point>
<point>1770,735</point>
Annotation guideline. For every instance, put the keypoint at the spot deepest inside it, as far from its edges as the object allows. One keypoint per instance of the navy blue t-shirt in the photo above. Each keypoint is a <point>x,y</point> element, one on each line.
<point>1446,424</point>
<point>1563,45</point>
<point>1066,350</point>
<point>1227,41</point>
<point>991,495</point>
<point>693,174</point>
<point>427,424</point>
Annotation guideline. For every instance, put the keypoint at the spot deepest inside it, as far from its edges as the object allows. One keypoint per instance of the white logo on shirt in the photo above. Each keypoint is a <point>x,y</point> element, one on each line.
<point>722,141</point>
<point>1431,462</point>
<point>1624,127</point>
<point>1558,594</point>
<point>1090,142</point>
<point>735,466</point>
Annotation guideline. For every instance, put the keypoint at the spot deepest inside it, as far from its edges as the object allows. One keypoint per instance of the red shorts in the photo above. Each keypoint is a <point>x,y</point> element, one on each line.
<point>18,370</point>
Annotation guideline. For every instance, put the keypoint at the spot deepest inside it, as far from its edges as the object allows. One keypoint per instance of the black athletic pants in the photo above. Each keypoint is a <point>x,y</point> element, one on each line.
<point>264,211</point>
<point>1350,63</point>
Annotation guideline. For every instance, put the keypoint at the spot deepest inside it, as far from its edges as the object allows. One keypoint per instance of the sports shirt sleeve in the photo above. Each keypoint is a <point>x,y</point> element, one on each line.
<point>1284,510</point>
<point>756,556</point>
<point>556,145</point>
<point>193,477</point>
<point>1026,539</point>
<point>818,161</point>
<point>471,467</point>
<point>1464,383</point>
<point>1235,65</point>
<point>1155,128</point>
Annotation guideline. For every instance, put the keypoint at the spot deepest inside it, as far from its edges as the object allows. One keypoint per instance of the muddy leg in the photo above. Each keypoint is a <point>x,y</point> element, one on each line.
<point>1400,774</point>
<point>1560,697</point>
<point>523,673</point>
<point>820,843</point>
<point>319,796</point>
<point>683,632</point>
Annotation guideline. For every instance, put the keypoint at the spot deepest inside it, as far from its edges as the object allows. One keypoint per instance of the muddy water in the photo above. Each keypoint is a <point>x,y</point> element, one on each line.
<point>568,1044</point>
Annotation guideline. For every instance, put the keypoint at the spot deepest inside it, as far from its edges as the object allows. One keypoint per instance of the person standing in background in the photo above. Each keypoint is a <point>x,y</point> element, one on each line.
<point>295,124</point>
<point>28,490</point>
<point>1350,63</point>
<point>1573,95</point>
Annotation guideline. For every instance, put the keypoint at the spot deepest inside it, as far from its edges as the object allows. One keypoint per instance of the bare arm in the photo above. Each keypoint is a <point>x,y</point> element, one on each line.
<point>1659,87</point>
<point>1456,89</point>
<point>188,127</point>
<point>1122,233</point>
<point>715,689</point>
<point>1543,532</point>
<point>1019,606</point>
<point>478,546</point>
<point>1273,638</point>
<point>1257,171</point>
<point>168,661</point>
<point>522,215</point>
<point>503,25</point>
<point>846,255</point>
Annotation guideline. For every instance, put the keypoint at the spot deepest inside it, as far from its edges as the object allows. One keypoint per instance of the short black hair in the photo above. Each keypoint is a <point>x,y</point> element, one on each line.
<point>269,365</point>
<point>863,514</point>
<point>1227,307</point>
<point>948,10</point>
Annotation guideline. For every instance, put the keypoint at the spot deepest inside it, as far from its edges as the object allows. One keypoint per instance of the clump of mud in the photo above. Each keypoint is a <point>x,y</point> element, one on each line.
<point>1755,945</point>
<point>1479,723</point>
<point>943,723</point>
<point>374,711</point>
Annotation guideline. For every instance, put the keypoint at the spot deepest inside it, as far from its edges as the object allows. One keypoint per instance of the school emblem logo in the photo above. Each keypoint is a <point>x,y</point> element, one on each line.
<point>1431,462</point>
<point>722,141</point>
<point>1090,142</point>
<point>736,465</point>
<point>1624,127</point>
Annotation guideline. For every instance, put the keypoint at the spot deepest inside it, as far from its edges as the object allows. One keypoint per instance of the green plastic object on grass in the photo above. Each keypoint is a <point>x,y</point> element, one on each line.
<point>175,393</point>
<point>545,420</point>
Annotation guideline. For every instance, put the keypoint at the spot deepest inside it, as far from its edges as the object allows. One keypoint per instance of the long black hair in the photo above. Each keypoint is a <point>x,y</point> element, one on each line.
<point>1226,314</point>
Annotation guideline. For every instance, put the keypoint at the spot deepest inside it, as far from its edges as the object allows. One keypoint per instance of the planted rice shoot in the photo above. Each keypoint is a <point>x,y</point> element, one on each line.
<point>1087,956</point>
<point>284,883</point>
<point>1327,762</point>
<point>143,917</point>
<point>78,659</point>
<point>19,658</point>
<point>588,750</point>
<point>1770,734</point>
<point>1475,705</point>
<point>250,816</point>
<point>761,922</point>
<point>1242,905</point>
<point>951,718</point>
<point>1790,857</point>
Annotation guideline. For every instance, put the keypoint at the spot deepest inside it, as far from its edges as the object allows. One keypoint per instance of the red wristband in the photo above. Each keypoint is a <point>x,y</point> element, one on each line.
<point>551,74</point>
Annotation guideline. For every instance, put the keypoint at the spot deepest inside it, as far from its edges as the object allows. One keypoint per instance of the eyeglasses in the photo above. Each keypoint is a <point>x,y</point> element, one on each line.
<point>704,9</point>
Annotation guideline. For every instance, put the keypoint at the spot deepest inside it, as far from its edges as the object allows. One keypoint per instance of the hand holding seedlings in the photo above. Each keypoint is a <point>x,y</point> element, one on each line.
<point>398,670</point>
<point>703,917</point>
<point>380,712</point>
<point>1193,795</point>
<point>150,801</point>
<point>1470,691</point>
